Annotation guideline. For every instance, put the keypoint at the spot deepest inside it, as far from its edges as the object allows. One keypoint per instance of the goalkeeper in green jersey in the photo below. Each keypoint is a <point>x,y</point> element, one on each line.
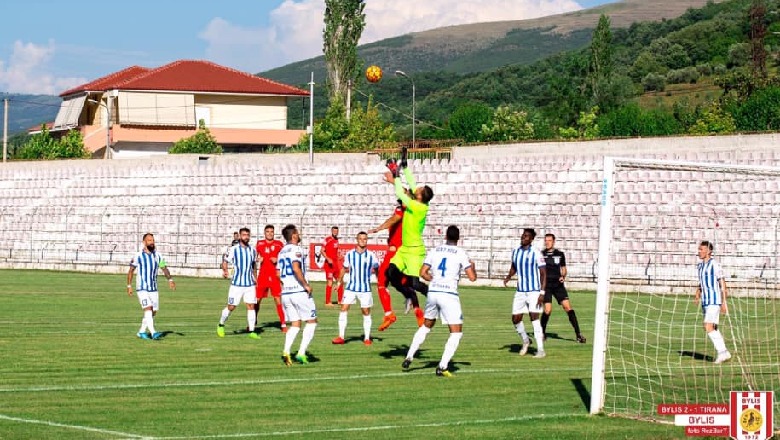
<point>404,270</point>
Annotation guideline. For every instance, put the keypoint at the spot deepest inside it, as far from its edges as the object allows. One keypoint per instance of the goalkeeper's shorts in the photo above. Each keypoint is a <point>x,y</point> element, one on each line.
<point>409,260</point>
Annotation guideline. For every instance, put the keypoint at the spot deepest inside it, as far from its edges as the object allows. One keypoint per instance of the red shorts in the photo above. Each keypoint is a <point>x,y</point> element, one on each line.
<point>266,283</point>
<point>381,278</point>
<point>331,272</point>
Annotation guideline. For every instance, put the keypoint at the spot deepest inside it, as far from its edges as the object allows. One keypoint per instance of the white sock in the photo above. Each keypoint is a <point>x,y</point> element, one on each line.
<point>289,338</point>
<point>143,324</point>
<point>449,349</point>
<point>251,319</point>
<point>149,318</point>
<point>538,334</point>
<point>366,326</point>
<point>520,327</point>
<point>308,335</point>
<point>342,324</point>
<point>225,315</point>
<point>417,340</point>
<point>717,340</point>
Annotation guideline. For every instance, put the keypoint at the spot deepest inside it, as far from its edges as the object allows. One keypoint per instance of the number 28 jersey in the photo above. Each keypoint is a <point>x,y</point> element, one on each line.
<point>447,262</point>
<point>289,254</point>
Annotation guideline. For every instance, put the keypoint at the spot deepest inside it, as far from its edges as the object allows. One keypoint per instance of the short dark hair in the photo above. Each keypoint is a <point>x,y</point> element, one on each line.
<point>287,232</point>
<point>550,235</point>
<point>334,227</point>
<point>148,234</point>
<point>361,233</point>
<point>453,233</point>
<point>531,232</point>
<point>707,243</point>
<point>427,194</point>
<point>268,227</point>
<point>245,230</point>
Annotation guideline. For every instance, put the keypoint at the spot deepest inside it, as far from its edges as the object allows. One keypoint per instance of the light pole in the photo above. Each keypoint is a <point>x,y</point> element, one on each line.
<point>414,104</point>
<point>107,153</point>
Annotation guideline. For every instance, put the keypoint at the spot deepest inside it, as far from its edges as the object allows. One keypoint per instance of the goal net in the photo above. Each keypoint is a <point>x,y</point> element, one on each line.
<point>650,346</point>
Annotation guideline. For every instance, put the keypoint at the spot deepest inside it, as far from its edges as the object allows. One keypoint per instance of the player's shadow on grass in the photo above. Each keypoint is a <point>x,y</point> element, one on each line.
<point>515,348</point>
<point>579,386</point>
<point>170,332</point>
<point>396,351</point>
<point>311,357</point>
<point>244,331</point>
<point>431,365</point>
<point>557,336</point>
<point>351,339</point>
<point>696,355</point>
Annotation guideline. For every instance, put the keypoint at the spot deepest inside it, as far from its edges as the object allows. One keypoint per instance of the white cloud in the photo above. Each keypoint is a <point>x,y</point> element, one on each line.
<point>28,71</point>
<point>295,32</point>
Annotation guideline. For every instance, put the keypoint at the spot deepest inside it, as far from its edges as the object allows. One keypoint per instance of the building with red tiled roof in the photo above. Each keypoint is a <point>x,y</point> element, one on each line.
<point>141,110</point>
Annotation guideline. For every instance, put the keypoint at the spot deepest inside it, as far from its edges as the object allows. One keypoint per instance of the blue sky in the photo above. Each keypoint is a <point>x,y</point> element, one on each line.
<point>48,46</point>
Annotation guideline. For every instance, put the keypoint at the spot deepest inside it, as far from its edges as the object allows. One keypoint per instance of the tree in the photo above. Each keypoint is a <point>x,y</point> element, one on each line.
<point>202,142</point>
<point>364,131</point>
<point>714,120</point>
<point>467,120</point>
<point>758,29</point>
<point>344,24</point>
<point>43,146</point>
<point>601,63</point>
<point>508,125</point>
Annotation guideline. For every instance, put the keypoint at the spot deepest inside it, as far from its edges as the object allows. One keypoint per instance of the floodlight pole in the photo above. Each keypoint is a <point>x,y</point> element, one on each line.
<point>414,104</point>
<point>311,119</point>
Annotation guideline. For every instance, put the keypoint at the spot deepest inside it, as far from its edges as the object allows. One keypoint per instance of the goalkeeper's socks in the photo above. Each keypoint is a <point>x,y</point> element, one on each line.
<point>573,319</point>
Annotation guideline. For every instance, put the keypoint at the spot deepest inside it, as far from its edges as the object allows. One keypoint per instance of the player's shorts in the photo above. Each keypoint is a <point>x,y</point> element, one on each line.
<point>365,298</point>
<point>711,314</point>
<point>237,293</point>
<point>409,260</point>
<point>555,290</point>
<point>147,299</point>
<point>266,284</point>
<point>381,276</point>
<point>526,302</point>
<point>331,272</point>
<point>445,305</point>
<point>299,307</point>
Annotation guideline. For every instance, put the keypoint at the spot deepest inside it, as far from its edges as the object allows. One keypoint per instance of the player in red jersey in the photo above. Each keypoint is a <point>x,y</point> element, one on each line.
<point>393,225</point>
<point>332,265</point>
<point>267,254</point>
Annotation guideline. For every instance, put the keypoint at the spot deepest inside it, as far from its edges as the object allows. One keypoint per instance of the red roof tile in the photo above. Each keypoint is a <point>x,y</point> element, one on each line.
<point>190,76</point>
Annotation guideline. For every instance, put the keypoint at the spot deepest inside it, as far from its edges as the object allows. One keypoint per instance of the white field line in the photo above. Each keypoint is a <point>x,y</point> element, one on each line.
<point>264,381</point>
<point>76,427</point>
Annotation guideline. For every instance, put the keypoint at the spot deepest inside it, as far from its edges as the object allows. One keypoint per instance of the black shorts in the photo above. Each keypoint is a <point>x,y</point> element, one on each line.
<point>558,291</point>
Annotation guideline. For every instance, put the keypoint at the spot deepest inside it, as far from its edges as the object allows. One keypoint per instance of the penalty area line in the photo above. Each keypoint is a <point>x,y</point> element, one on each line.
<point>76,427</point>
<point>377,428</point>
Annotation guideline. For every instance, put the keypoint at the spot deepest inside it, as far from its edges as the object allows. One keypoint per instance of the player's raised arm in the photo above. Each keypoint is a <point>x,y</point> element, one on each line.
<point>410,180</point>
<point>387,224</point>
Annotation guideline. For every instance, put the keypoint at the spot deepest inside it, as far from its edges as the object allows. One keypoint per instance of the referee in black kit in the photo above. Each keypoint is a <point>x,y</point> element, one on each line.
<point>556,275</point>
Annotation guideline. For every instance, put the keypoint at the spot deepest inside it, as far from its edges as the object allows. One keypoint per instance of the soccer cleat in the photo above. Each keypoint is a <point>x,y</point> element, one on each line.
<point>408,306</point>
<point>143,335</point>
<point>284,329</point>
<point>581,339</point>
<point>221,331</point>
<point>302,358</point>
<point>540,354</point>
<point>387,321</point>
<point>253,335</point>
<point>524,348</point>
<point>420,316</point>
<point>159,335</point>
<point>723,357</point>
<point>338,340</point>
<point>367,342</point>
<point>286,359</point>
<point>406,363</point>
<point>443,372</point>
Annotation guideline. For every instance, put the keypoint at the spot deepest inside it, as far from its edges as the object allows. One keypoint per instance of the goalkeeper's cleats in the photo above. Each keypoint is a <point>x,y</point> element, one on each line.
<point>302,358</point>
<point>581,339</point>
<point>723,357</point>
<point>524,348</point>
<point>392,165</point>
<point>157,336</point>
<point>443,372</point>
<point>221,331</point>
<point>406,364</point>
<point>286,359</point>
<point>143,335</point>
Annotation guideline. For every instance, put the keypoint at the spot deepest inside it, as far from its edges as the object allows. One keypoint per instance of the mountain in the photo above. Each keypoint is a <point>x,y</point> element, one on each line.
<point>484,47</point>
<point>27,111</point>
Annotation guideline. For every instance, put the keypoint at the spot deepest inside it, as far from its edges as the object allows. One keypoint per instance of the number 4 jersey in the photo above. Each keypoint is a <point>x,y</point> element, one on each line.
<point>447,263</point>
<point>289,254</point>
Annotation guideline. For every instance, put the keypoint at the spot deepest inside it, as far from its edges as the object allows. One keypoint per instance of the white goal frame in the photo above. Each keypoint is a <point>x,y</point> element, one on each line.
<point>611,164</point>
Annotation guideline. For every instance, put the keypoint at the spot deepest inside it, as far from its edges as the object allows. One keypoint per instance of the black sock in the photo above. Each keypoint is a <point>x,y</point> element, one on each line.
<point>573,320</point>
<point>545,318</point>
<point>396,279</point>
<point>419,285</point>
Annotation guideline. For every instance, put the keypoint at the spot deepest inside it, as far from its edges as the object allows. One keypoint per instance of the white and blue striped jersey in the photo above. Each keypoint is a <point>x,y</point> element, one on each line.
<point>526,262</point>
<point>147,265</point>
<point>360,265</point>
<point>289,254</point>
<point>244,260</point>
<point>446,263</point>
<point>710,275</point>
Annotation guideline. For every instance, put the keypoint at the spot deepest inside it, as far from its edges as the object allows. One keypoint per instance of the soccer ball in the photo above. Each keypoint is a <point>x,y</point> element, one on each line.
<point>373,74</point>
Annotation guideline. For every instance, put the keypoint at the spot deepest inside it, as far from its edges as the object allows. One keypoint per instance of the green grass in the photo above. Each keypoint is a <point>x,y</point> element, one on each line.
<point>72,368</point>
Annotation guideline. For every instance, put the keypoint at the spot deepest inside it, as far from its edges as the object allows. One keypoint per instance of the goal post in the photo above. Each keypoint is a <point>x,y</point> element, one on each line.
<point>649,345</point>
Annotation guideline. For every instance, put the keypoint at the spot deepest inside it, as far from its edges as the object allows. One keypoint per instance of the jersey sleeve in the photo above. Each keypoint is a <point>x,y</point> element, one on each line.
<point>718,270</point>
<point>345,264</point>
<point>465,261</point>
<point>563,260</point>
<point>540,261</point>
<point>163,264</point>
<point>428,261</point>
<point>410,180</point>
<point>374,261</point>
<point>134,261</point>
<point>401,193</point>
<point>228,258</point>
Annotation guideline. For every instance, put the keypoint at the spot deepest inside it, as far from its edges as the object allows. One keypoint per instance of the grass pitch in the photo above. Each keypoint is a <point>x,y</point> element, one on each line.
<point>72,368</point>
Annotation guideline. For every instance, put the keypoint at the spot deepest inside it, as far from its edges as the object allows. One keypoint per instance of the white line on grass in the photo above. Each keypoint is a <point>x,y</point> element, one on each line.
<point>77,427</point>
<point>378,428</point>
<point>261,381</point>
